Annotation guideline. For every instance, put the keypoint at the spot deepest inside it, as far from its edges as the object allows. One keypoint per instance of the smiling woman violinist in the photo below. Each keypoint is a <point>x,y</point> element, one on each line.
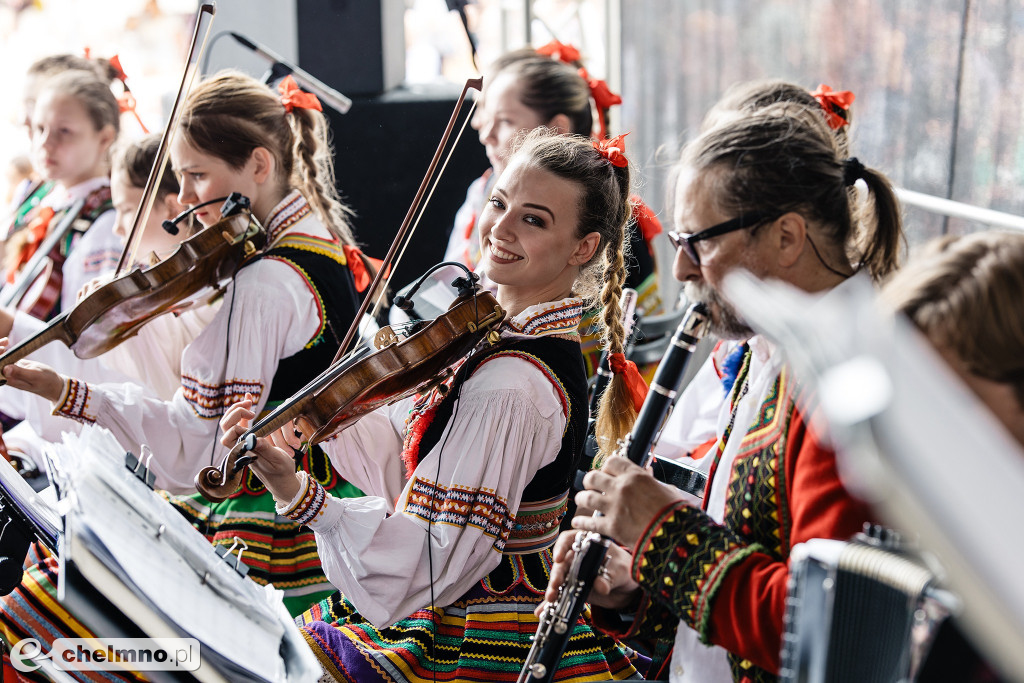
<point>278,321</point>
<point>442,564</point>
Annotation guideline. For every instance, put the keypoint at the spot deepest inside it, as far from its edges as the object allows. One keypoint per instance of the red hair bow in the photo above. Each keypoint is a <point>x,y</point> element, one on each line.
<point>613,150</point>
<point>294,97</point>
<point>835,103</point>
<point>560,51</point>
<point>115,64</point>
<point>645,219</point>
<point>603,99</point>
<point>631,376</point>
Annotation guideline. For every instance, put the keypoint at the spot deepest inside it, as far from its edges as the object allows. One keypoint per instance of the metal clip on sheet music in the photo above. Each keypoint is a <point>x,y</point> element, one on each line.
<point>139,468</point>
<point>234,561</point>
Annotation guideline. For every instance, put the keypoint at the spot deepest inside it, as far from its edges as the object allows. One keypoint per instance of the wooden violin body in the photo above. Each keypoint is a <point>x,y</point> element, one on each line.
<point>354,387</point>
<point>196,271</point>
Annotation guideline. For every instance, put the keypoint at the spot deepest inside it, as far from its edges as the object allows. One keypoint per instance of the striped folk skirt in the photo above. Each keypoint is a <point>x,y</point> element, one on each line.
<point>484,636</point>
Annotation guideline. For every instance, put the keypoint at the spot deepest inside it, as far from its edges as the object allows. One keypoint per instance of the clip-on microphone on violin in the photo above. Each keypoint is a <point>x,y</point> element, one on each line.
<point>466,286</point>
<point>233,203</point>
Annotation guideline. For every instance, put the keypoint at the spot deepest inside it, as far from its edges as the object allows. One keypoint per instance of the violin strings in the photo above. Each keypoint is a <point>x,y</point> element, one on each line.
<point>378,302</point>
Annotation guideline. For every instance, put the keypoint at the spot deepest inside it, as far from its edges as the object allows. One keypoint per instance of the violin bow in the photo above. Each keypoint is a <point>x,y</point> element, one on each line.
<point>204,21</point>
<point>408,223</point>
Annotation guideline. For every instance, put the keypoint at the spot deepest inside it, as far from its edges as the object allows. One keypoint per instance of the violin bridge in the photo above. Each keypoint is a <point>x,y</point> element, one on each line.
<point>385,337</point>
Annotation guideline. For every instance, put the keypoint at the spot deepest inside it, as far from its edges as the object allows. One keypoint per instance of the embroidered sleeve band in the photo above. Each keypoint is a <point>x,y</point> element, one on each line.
<point>310,505</point>
<point>74,403</point>
<point>681,560</point>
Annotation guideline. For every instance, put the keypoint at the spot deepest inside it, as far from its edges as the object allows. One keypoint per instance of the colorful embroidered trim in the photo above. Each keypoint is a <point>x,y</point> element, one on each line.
<point>311,505</point>
<point>318,245</point>
<point>480,508</point>
<point>75,402</point>
<point>290,211</point>
<point>682,558</point>
<point>536,525</point>
<point>209,401</point>
<point>561,319</point>
<point>563,395</point>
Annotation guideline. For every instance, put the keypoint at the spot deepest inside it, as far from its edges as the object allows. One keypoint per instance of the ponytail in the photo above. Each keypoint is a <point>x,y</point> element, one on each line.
<point>879,248</point>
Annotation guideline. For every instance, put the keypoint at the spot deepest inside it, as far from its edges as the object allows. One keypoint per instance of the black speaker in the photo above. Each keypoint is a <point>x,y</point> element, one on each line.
<point>382,149</point>
<point>356,46</point>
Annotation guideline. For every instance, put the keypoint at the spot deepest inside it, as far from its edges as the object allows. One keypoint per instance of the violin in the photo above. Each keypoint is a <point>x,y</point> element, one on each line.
<point>197,271</point>
<point>37,285</point>
<point>357,384</point>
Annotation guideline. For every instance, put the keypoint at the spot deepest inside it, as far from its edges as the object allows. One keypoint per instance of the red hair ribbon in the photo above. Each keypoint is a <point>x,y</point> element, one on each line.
<point>613,150</point>
<point>357,265</point>
<point>603,99</point>
<point>115,64</point>
<point>126,103</point>
<point>645,219</point>
<point>631,375</point>
<point>292,96</point>
<point>560,51</point>
<point>836,103</point>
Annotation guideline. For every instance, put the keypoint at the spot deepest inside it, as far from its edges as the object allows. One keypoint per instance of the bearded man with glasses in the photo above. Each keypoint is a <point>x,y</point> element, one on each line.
<point>768,193</point>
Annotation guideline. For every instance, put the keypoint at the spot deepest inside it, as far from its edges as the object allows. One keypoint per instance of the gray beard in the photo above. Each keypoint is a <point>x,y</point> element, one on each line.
<point>725,323</point>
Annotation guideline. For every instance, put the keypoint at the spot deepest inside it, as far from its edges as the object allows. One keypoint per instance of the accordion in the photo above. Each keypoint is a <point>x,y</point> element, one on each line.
<point>850,610</point>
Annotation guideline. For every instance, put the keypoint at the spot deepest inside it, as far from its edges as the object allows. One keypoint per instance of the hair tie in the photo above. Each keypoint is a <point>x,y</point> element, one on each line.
<point>603,99</point>
<point>612,149</point>
<point>836,105</point>
<point>853,170</point>
<point>293,97</point>
<point>631,375</point>
<point>563,52</point>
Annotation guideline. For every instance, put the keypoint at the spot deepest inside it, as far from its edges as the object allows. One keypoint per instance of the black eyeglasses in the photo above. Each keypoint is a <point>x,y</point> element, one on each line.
<point>681,240</point>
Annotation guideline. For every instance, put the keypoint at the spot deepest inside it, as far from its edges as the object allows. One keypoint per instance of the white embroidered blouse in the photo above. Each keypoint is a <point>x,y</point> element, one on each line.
<point>268,314</point>
<point>380,550</point>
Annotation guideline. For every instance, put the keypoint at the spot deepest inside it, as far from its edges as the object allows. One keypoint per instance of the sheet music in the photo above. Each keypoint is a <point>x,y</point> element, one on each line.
<point>146,558</point>
<point>40,513</point>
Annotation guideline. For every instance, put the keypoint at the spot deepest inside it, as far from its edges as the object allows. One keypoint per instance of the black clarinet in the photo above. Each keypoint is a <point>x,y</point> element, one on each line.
<point>559,617</point>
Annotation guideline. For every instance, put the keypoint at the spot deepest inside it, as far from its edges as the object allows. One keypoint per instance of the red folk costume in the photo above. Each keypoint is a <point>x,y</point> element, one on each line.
<point>720,573</point>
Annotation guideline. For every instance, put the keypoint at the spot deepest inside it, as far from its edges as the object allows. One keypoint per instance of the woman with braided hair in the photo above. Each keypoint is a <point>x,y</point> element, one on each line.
<point>441,565</point>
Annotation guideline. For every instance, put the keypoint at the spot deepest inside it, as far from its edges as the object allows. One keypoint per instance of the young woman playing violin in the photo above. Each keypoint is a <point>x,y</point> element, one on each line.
<point>279,320</point>
<point>441,564</point>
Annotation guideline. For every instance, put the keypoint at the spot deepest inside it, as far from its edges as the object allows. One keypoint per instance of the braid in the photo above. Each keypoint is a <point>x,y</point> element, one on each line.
<point>616,413</point>
<point>314,173</point>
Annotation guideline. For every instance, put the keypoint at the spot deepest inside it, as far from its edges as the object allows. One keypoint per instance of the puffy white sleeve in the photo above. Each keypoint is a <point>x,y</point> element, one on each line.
<point>369,453</point>
<point>454,515</point>
<point>273,316</point>
<point>94,255</point>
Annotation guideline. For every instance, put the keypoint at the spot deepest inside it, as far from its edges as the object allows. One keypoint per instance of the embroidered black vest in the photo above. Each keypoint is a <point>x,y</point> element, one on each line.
<point>562,361</point>
<point>335,292</point>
